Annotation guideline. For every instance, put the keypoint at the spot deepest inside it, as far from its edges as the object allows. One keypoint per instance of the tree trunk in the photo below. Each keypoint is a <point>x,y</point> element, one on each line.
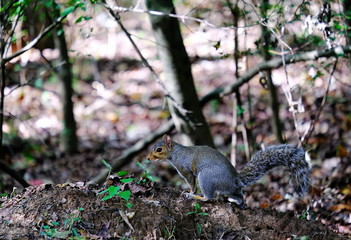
<point>266,45</point>
<point>69,138</point>
<point>178,82</point>
<point>347,14</point>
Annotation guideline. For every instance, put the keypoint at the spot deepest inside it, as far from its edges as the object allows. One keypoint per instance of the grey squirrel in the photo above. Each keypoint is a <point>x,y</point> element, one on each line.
<point>216,175</point>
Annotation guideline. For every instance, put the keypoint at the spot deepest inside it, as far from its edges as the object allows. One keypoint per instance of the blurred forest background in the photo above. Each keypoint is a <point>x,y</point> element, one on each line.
<point>86,81</point>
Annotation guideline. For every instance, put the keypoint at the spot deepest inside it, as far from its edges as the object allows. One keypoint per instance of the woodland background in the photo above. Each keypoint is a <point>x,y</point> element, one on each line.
<point>88,86</point>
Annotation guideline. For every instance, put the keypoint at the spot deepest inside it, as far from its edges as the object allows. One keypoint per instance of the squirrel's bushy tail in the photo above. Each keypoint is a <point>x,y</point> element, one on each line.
<point>280,155</point>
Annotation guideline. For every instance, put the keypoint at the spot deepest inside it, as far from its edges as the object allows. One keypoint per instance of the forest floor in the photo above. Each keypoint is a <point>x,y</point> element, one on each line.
<point>73,211</point>
<point>117,103</point>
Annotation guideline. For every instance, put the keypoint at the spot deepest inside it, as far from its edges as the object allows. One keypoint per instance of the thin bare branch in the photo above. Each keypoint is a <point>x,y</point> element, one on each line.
<point>12,32</point>
<point>305,138</point>
<point>35,40</point>
<point>180,17</point>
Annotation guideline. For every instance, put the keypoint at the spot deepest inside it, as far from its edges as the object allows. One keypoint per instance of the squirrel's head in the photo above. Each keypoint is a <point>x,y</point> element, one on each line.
<point>161,150</point>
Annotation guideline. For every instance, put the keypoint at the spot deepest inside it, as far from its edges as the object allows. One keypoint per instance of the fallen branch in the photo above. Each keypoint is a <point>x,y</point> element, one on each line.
<point>134,150</point>
<point>272,64</point>
<point>6,169</point>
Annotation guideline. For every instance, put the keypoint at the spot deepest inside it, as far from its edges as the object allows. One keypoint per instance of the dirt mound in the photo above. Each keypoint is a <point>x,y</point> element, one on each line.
<point>76,211</point>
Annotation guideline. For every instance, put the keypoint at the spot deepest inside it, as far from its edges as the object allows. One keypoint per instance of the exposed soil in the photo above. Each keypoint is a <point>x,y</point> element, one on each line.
<point>75,210</point>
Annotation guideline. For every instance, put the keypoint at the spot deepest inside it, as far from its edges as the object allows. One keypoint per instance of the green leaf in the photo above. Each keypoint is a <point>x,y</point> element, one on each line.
<point>217,45</point>
<point>81,18</point>
<point>140,165</point>
<point>151,178</point>
<point>81,5</point>
<point>106,190</point>
<point>112,190</point>
<point>59,32</point>
<point>125,195</point>
<point>122,173</point>
<point>107,197</point>
<point>127,180</point>
<point>129,205</point>
<point>198,228</point>
<point>197,207</point>
<point>107,165</point>
<point>75,233</point>
<point>189,213</point>
<point>68,10</point>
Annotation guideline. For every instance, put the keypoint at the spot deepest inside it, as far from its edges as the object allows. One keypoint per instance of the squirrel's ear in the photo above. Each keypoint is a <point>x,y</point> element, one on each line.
<point>168,141</point>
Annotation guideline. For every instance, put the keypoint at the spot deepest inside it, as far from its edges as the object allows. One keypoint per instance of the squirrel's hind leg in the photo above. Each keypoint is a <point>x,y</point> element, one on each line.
<point>206,186</point>
<point>236,196</point>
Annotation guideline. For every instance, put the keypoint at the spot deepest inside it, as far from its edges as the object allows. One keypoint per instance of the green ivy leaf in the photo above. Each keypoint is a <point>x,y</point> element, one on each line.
<point>125,195</point>
<point>112,190</point>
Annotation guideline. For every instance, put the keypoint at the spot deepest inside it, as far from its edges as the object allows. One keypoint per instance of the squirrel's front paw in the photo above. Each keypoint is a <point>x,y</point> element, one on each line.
<point>194,196</point>
<point>188,195</point>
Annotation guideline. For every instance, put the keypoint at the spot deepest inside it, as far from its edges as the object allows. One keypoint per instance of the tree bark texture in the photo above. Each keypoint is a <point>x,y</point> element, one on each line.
<point>69,137</point>
<point>266,43</point>
<point>347,14</point>
<point>178,83</point>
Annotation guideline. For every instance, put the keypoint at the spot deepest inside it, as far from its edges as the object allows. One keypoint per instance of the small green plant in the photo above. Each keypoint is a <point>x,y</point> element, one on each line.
<point>4,196</point>
<point>115,191</point>
<point>168,233</point>
<point>198,228</point>
<point>146,177</point>
<point>51,230</point>
<point>197,211</point>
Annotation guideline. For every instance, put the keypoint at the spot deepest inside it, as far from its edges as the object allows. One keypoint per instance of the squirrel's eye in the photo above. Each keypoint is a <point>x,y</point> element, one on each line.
<point>158,149</point>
